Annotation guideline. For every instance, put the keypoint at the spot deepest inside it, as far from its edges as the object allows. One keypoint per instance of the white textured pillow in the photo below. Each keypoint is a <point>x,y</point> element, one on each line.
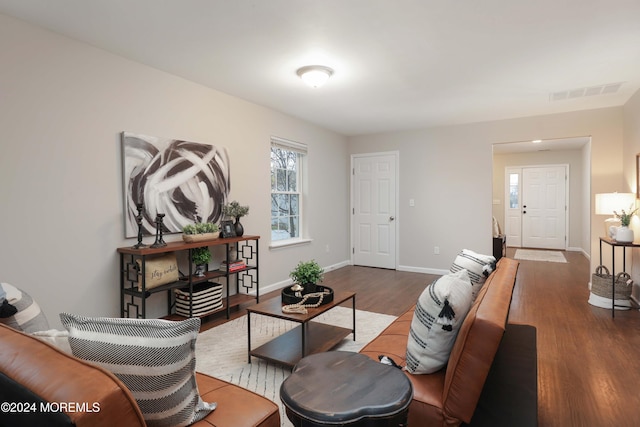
<point>56,338</point>
<point>154,358</point>
<point>477,265</point>
<point>439,312</point>
<point>29,317</point>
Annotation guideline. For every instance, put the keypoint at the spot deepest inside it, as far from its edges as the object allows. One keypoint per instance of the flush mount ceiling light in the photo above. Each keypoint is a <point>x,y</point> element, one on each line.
<point>315,75</point>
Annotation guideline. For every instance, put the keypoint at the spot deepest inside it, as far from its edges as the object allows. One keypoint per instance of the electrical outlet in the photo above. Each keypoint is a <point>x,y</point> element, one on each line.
<point>412,202</point>
<point>436,250</point>
<point>326,249</point>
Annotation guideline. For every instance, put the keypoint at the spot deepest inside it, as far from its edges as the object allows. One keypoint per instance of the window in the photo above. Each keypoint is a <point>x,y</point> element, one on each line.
<point>286,189</point>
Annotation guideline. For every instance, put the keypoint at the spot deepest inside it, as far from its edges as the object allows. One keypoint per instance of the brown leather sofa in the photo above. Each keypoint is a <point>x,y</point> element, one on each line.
<point>449,397</point>
<point>32,371</point>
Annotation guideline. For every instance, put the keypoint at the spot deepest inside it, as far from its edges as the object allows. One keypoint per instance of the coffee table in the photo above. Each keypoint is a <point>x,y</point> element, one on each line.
<point>307,338</point>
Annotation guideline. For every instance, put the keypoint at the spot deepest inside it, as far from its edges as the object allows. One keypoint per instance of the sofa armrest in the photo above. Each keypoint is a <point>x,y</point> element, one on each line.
<point>61,378</point>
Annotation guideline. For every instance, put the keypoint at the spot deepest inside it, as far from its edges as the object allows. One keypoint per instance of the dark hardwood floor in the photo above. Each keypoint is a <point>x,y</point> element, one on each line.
<point>588,363</point>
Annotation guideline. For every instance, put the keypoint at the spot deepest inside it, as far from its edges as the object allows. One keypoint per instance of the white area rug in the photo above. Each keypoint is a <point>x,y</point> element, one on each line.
<point>222,351</point>
<point>538,255</point>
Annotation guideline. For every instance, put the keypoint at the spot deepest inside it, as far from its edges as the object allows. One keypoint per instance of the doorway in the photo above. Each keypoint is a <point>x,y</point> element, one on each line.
<point>374,209</point>
<point>536,212</point>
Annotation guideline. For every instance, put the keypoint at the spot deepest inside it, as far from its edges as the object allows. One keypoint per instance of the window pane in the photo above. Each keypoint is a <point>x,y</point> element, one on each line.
<point>274,205</point>
<point>513,190</point>
<point>294,205</point>
<point>281,184</point>
<point>292,181</point>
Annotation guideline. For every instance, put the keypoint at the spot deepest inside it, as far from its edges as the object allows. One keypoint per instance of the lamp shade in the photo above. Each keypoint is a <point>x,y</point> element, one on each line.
<point>607,203</point>
<point>315,75</point>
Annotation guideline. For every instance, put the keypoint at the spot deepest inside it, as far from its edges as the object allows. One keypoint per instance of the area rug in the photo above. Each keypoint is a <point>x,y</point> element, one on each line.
<point>222,351</point>
<point>538,255</point>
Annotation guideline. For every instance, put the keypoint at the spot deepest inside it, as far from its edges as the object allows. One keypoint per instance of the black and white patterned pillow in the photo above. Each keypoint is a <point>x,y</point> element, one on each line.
<point>439,313</point>
<point>478,266</point>
<point>154,358</point>
<point>28,317</point>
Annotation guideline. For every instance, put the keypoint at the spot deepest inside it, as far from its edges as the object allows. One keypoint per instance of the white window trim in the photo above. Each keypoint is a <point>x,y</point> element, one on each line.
<point>298,147</point>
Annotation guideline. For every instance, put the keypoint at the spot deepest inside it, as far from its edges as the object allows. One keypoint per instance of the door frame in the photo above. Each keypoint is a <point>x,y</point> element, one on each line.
<point>567,189</point>
<point>396,156</point>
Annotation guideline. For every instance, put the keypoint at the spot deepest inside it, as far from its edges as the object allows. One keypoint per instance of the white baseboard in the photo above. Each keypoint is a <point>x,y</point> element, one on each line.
<point>279,285</point>
<point>422,270</point>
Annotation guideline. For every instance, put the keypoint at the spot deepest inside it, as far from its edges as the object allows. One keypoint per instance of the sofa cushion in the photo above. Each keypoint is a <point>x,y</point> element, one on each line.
<point>28,317</point>
<point>154,358</point>
<point>440,311</point>
<point>478,266</point>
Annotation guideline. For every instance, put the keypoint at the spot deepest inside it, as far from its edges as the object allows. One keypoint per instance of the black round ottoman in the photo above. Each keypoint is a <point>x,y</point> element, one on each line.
<point>340,388</point>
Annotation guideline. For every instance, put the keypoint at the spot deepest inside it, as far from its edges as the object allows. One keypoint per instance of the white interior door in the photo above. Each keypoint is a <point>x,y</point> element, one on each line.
<point>544,207</point>
<point>374,210</point>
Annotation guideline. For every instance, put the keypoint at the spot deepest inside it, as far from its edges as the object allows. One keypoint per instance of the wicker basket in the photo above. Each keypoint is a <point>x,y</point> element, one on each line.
<point>189,238</point>
<point>601,282</point>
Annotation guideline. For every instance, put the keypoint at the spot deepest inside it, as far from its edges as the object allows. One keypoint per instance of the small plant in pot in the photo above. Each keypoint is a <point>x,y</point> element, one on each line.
<point>237,211</point>
<point>307,274</point>
<point>200,257</point>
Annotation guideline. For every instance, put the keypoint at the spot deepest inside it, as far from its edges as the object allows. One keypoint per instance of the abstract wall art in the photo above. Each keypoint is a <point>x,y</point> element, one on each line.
<point>187,181</point>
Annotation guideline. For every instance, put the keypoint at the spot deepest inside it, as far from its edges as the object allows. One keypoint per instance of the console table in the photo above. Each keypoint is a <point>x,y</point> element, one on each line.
<point>133,300</point>
<point>614,244</point>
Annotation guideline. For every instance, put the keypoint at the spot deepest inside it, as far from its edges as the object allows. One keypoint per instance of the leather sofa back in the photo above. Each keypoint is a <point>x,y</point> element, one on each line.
<point>477,343</point>
<point>62,379</point>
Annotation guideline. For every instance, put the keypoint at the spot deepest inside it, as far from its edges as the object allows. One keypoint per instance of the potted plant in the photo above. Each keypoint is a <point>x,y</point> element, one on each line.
<point>307,274</point>
<point>624,233</point>
<point>200,231</point>
<point>235,210</point>
<point>200,257</point>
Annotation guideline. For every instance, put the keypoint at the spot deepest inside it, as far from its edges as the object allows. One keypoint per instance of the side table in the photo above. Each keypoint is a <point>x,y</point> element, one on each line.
<point>341,388</point>
<point>615,244</point>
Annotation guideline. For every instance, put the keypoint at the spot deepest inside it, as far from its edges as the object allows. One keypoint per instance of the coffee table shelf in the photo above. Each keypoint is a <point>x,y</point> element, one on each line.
<point>307,338</point>
<point>287,348</point>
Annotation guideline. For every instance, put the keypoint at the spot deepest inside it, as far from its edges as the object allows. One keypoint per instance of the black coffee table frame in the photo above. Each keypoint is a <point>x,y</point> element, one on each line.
<point>307,338</point>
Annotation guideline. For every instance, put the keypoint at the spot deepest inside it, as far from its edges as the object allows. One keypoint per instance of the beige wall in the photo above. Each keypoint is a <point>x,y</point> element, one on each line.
<point>448,171</point>
<point>576,200</point>
<point>63,106</point>
<point>631,149</point>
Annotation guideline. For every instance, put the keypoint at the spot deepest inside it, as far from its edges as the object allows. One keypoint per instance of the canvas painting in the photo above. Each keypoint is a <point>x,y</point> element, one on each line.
<point>187,181</point>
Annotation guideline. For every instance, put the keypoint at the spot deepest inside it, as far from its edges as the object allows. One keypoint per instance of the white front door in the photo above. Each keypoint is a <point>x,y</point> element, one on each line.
<point>373,211</point>
<point>544,207</point>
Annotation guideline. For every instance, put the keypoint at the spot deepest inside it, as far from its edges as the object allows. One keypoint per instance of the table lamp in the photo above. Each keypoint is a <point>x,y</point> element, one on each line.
<point>607,203</point>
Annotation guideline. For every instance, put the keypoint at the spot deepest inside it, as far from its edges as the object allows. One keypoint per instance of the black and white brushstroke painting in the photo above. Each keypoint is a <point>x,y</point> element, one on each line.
<point>187,181</point>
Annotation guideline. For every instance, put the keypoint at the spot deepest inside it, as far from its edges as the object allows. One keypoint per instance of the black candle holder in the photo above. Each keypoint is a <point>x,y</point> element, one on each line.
<point>140,208</point>
<point>159,226</point>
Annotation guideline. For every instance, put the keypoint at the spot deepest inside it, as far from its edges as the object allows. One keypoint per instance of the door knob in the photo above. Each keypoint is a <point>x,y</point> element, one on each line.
<point>391,218</point>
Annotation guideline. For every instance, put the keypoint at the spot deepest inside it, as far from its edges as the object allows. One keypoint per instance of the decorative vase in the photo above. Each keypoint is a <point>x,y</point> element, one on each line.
<point>624,234</point>
<point>199,270</point>
<point>239,228</point>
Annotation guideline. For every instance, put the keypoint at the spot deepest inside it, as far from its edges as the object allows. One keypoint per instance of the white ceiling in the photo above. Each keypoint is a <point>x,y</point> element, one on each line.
<point>399,64</point>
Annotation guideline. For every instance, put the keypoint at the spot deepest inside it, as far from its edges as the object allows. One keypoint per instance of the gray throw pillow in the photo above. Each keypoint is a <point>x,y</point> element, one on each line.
<point>28,317</point>
<point>154,358</point>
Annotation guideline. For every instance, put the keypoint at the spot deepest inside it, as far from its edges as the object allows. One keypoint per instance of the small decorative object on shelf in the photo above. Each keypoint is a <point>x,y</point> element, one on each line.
<point>624,234</point>
<point>159,243</point>
<point>140,208</point>
<point>227,229</point>
<point>199,232</point>
<point>200,257</point>
<point>234,210</point>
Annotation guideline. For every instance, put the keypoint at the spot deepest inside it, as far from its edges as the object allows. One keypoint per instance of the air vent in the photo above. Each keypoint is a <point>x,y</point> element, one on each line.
<point>605,89</point>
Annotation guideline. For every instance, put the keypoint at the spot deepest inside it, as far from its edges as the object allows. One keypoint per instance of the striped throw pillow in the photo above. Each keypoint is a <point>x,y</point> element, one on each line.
<point>154,358</point>
<point>477,265</point>
<point>29,317</point>
<point>439,313</point>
